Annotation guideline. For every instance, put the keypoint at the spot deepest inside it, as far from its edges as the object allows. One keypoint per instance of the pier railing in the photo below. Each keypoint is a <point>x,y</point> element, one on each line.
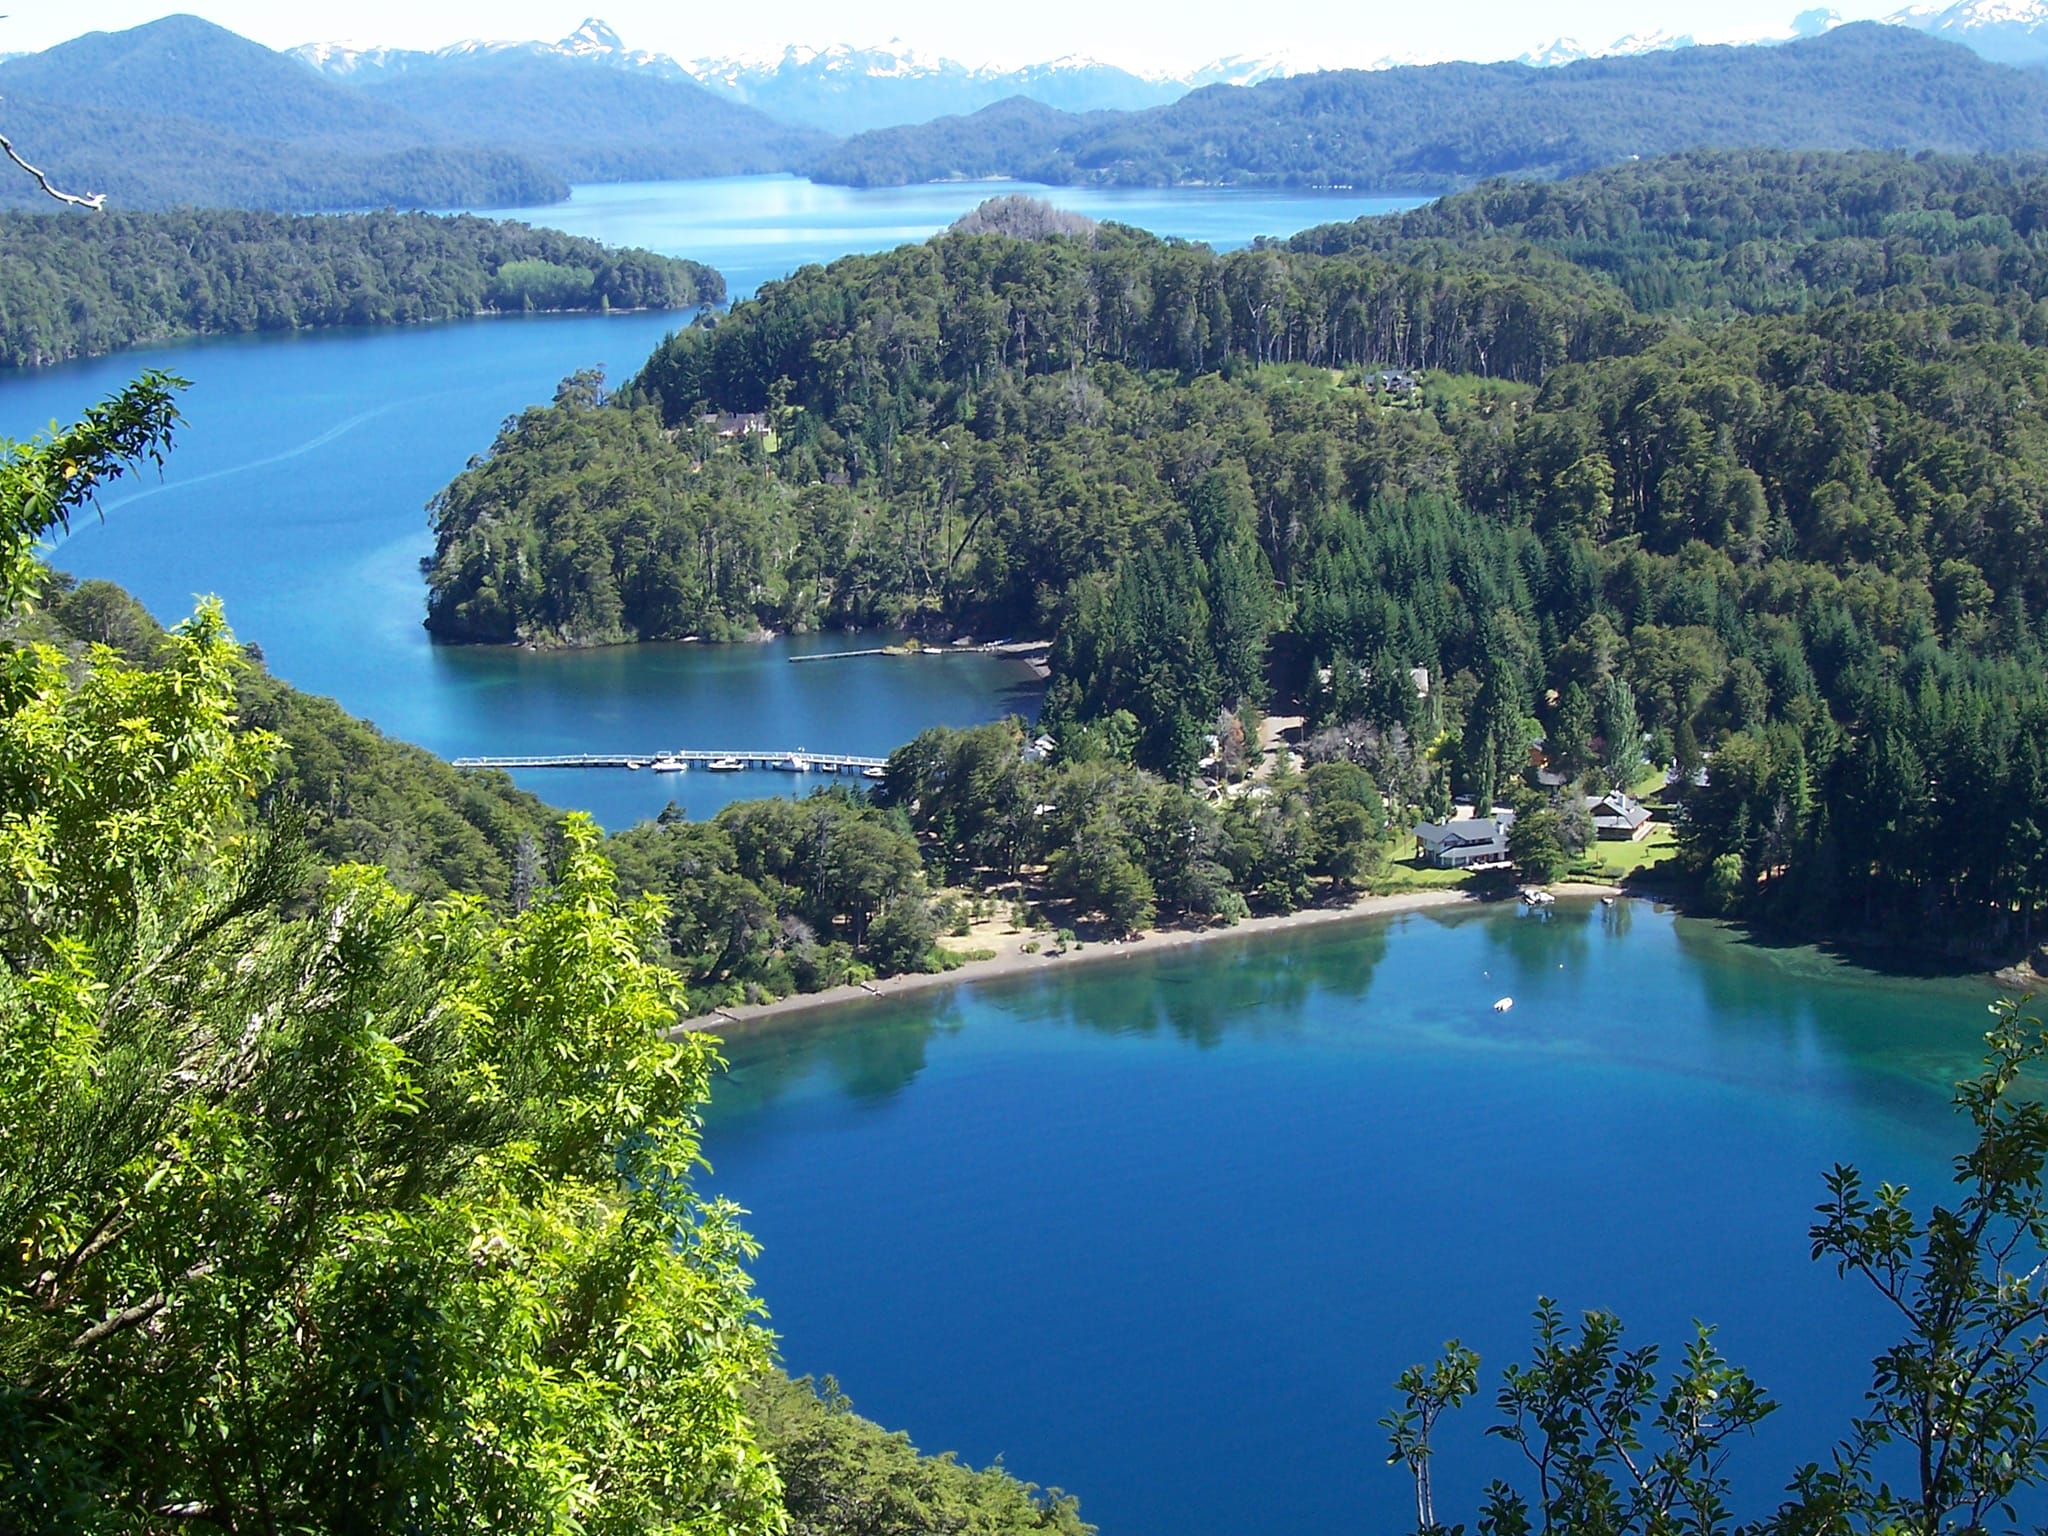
<point>798,761</point>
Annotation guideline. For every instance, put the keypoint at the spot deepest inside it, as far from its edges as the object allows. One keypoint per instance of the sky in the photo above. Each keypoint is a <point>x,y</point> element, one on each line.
<point>1156,35</point>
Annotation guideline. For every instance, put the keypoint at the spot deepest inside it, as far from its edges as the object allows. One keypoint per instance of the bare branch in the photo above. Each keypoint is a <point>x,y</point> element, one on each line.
<point>95,200</point>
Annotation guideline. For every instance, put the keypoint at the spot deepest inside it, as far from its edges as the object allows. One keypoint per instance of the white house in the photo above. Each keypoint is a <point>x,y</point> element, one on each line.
<point>1465,842</point>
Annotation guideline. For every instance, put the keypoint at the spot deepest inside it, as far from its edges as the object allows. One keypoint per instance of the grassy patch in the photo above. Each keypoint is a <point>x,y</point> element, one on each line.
<point>1614,862</point>
<point>1412,875</point>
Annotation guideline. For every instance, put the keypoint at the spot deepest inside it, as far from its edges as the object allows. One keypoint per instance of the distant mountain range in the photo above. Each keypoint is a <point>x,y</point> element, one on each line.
<point>182,111</point>
<point>843,90</point>
<point>1863,86</point>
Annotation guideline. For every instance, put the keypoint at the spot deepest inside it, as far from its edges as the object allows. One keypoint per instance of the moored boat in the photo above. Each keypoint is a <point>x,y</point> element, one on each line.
<point>668,762</point>
<point>724,765</point>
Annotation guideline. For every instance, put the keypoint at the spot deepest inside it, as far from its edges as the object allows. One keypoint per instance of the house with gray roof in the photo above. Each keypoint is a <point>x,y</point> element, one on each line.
<point>1617,818</point>
<point>1466,842</point>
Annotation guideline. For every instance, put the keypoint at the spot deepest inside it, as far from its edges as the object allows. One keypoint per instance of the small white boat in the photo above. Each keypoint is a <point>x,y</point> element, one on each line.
<point>668,763</point>
<point>1532,896</point>
<point>724,765</point>
<point>1606,901</point>
<point>793,764</point>
<point>874,773</point>
<point>1503,1004</point>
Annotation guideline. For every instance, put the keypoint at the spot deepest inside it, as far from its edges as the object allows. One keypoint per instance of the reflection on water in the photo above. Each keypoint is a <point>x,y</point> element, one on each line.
<point>1198,1208</point>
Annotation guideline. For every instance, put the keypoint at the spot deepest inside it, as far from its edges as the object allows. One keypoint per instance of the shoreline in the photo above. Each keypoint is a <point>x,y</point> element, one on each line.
<point>1010,958</point>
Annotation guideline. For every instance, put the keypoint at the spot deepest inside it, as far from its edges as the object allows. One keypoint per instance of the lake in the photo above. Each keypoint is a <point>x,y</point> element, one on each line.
<point>299,485</point>
<point>756,228</point>
<point>1163,1231</point>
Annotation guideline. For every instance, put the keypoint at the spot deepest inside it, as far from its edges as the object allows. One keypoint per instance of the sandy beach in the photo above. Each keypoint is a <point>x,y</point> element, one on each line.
<point>1011,959</point>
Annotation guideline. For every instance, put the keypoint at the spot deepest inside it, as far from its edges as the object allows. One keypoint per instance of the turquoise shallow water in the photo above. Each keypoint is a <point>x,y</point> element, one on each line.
<point>1163,1231</point>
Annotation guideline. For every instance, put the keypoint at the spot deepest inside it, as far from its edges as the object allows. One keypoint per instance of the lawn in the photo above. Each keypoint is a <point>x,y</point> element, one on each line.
<point>1613,862</point>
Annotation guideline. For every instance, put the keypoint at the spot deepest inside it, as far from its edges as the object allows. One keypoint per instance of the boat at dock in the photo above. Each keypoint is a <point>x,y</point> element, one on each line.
<point>668,763</point>
<point>724,765</point>
<point>794,763</point>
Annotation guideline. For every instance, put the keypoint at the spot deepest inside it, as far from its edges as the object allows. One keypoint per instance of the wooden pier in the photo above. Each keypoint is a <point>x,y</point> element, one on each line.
<point>1020,650</point>
<point>798,762</point>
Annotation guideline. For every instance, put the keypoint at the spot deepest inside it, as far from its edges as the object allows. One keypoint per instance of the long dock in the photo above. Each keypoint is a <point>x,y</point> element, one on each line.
<point>812,762</point>
<point>1021,650</point>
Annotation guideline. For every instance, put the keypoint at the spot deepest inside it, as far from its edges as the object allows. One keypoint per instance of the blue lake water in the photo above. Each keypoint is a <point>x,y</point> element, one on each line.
<point>298,490</point>
<point>754,228</point>
<point>1163,1231</point>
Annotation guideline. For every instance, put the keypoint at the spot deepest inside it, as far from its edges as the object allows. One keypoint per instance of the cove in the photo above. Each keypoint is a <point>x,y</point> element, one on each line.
<point>1163,1231</point>
<point>298,488</point>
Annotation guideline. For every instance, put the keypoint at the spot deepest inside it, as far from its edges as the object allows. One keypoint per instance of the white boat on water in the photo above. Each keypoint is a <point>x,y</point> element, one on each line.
<point>1534,897</point>
<point>668,763</point>
<point>1502,1005</point>
<point>793,764</point>
<point>724,765</point>
<point>874,773</point>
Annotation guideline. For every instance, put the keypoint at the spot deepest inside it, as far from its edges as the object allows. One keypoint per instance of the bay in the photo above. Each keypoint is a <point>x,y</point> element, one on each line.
<point>1163,1231</point>
<point>758,228</point>
<point>298,489</point>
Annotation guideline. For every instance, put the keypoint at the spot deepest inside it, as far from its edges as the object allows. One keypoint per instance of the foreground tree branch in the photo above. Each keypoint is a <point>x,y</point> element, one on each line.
<point>96,201</point>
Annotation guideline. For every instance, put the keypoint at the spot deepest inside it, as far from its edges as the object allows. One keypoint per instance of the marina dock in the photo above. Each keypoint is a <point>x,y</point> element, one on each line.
<point>749,761</point>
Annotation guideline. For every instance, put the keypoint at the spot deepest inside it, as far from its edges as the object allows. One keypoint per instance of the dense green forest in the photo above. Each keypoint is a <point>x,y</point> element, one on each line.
<point>1438,126</point>
<point>1786,512</point>
<point>74,284</point>
<point>362,797</point>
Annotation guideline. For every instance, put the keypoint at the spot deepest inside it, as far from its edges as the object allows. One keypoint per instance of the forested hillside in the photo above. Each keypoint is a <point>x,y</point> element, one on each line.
<point>586,123</point>
<point>183,113</point>
<point>74,284</point>
<point>364,798</point>
<point>1796,528</point>
<point>1757,231</point>
<point>1433,127</point>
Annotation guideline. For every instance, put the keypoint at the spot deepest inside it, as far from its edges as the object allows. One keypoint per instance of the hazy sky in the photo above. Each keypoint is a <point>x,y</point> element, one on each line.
<point>1163,34</point>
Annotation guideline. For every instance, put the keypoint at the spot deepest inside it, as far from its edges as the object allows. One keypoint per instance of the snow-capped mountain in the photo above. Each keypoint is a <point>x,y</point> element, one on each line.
<point>2007,31</point>
<point>1569,50</point>
<point>594,42</point>
<point>1250,69</point>
<point>847,89</point>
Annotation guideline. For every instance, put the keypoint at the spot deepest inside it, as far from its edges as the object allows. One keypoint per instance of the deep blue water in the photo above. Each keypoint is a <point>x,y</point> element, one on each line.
<point>754,228</point>
<point>1164,1231</point>
<point>298,489</point>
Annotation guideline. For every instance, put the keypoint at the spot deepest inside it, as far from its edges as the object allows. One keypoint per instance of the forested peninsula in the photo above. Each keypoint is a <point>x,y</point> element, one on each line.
<point>77,284</point>
<point>1770,511</point>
